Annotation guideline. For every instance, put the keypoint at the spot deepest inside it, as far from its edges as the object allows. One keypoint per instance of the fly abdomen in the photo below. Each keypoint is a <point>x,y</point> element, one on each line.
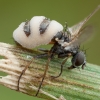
<point>43,26</point>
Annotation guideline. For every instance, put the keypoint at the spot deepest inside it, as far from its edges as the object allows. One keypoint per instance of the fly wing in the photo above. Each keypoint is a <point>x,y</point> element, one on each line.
<point>78,33</point>
<point>84,35</point>
<point>75,30</point>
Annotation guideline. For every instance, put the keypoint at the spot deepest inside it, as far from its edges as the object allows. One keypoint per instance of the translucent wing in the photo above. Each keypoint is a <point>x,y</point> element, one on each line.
<point>75,30</point>
<point>84,35</point>
<point>78,33</point>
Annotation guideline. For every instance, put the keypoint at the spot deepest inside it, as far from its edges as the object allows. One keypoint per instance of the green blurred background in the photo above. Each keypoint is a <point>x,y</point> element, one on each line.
<point>13,12</point>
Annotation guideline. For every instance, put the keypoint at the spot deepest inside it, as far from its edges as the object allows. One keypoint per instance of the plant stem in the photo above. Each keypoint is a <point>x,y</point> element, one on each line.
<point>76,84</point>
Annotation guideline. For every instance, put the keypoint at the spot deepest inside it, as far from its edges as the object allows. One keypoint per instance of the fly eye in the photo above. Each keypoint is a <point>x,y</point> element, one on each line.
<point>78,59</point>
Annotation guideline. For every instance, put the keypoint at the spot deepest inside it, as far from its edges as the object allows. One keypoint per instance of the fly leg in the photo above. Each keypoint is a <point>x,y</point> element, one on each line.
<point>46,69</point>
<point>62,64</point>
<point>51,54</point>
<point>23,71</point>
<point>84,64</point>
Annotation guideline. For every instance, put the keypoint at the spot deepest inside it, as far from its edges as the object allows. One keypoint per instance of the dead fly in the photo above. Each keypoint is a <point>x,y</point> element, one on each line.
<point>66,40</point>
